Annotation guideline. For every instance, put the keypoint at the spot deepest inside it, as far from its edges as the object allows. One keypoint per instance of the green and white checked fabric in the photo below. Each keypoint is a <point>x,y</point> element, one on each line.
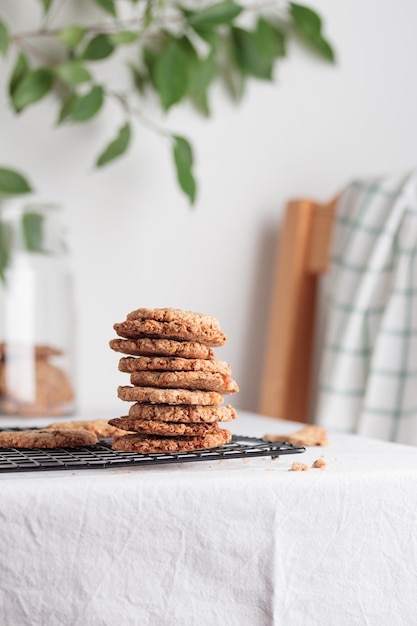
<point>368,369</point>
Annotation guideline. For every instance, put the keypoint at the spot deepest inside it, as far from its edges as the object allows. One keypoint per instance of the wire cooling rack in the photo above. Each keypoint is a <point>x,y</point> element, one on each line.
<point>101,455</point>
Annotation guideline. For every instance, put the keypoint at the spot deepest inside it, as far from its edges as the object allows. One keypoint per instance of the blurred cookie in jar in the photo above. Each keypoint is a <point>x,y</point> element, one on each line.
<point>31,385</point>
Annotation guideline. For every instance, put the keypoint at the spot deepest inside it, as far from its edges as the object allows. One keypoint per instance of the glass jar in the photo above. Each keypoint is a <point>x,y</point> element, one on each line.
<point>36,312</point>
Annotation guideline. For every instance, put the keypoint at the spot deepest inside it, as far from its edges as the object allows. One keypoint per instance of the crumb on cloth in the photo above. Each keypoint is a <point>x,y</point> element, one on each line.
<point>296,466</point>
<point>320,464</point>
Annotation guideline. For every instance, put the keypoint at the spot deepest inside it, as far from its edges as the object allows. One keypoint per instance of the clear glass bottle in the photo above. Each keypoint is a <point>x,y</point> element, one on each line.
<point>36,312</point>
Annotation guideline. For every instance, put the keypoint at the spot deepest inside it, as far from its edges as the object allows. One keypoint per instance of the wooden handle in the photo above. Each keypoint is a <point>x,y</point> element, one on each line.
<point>303,254</point>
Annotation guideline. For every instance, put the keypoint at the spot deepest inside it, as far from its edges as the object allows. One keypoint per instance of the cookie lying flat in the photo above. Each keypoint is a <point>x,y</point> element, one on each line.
<point>179,329</point>
<point>172,315</point>
<point>101,428</point>
<point>162,347</point>
<point>310,435</point>
<point>168,429</point>
<point>47,439</point>
<point>204,381</point>
<point>147,444</point>
<point>182,413</point>
<point>160,363</point>
<point>169,396</point>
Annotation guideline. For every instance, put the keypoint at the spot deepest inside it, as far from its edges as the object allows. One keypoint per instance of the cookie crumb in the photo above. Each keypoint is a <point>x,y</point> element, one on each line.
<point>320,463</point>
<point>298,467</point>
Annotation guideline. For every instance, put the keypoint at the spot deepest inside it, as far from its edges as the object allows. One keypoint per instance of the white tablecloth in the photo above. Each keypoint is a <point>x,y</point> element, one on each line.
<point>231,543</point>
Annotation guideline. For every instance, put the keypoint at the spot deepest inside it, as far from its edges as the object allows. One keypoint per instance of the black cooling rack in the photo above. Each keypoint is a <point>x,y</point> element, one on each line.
<point>102,456</point>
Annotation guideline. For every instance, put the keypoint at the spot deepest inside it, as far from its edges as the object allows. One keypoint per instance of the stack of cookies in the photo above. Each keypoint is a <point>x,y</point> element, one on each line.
<point>178,385</point>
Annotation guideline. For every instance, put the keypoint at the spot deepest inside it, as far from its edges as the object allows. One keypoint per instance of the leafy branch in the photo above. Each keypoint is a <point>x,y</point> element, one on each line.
<point>182,49</point>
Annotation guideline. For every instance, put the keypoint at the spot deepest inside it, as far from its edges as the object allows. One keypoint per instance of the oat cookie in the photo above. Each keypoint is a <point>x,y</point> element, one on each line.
<point>310,435</point>
<point>47,439</point>
<point>147,444</point>
<point>52,385</point>
<point>203,381</point>
<point>160,363</point>
<point>182,413</point>
<point>178,329</point>
<point>17,351</point>
<point>169,396</point>
<point>162,347</point>
<point>168,429</point>
<point>172,315</point>
<point>101,428</point>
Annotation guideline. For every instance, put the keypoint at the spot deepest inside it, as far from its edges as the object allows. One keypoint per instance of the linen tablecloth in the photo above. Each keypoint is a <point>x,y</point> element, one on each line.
<point>241,542</point>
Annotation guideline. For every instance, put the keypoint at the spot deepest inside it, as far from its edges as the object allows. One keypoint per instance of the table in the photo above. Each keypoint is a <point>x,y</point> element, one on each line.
<point>241,542</point>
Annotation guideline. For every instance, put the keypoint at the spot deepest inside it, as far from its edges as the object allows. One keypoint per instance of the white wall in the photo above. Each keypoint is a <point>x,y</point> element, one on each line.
<point>135,241</point>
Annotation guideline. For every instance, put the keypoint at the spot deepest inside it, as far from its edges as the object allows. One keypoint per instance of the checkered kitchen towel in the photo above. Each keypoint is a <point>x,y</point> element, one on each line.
<point>368,371</point>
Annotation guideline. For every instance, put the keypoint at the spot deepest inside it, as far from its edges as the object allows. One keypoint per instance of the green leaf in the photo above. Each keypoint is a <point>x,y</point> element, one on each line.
<point>188,48</point>
<point>46,5</point>
<point>187,13</point>
<point>202,75</point>
<point>5,245</point>
<point>73,73</point>
<point>272,40</point>
<point>183,158</point>
<point>32,227</point>
<point>99,47</point>
<point>71,36</point>
<point>116,147</point>
<point>108,6</point>
<point>87,106</point>
<point>234,82</point>
<point>253,54</point>
<point>219,13</point>
<point>322,46</point>
<point>21,68</point>
<point>308,24</point>
<point>33,87</point>
<point>137,78</point>
<point>307,20</point>
<point>210,36</point>
<point>150,59</point>
<point>4,38</point>
<point>124,37</point>
<point>201,72</point>
<point>148,16</point>
<point>12,183</point>
<point>66,108</point>
<point>233,77</point>
<point>255,51</point>
<point>171,74</point>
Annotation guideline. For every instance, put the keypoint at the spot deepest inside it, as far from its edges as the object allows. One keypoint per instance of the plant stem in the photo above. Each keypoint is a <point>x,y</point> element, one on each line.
<point>109,28</point>
<point>93,28</point>
<point>27,46</point>
<point>123,100</point>
<point>51,16</point>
